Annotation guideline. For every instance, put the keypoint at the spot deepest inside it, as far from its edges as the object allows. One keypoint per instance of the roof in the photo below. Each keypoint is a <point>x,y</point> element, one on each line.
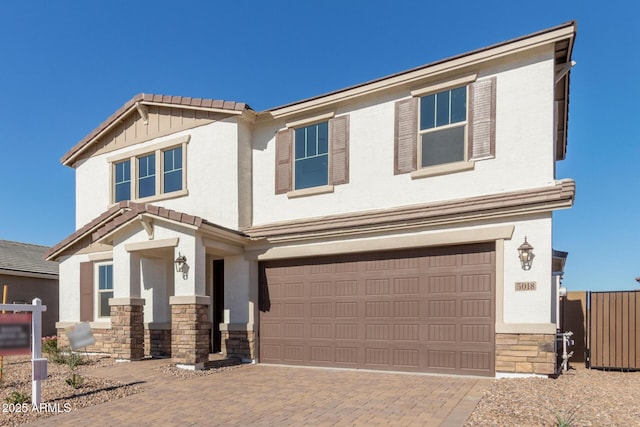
<point>25,258</point>
<point>151,99</point>
<point>121,215</point>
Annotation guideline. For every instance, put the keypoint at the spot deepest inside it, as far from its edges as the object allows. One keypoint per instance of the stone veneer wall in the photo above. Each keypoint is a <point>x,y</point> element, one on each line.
<point>102,336</point>
<point>157,342</point>
<point>526,353</point>
<point>127,329</point>
<point>190,333</point>
<point>239,344</point>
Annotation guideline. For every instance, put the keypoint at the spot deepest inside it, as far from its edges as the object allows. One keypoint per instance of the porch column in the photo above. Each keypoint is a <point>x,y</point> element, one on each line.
<point>127,316</point>
<point>190,325</point>
<point>127,328</point>
<point>190,331</point>
<point>240,303</point>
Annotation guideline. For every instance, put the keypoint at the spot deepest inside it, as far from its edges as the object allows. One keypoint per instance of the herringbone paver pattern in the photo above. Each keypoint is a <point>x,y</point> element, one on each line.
<point>264,395</point>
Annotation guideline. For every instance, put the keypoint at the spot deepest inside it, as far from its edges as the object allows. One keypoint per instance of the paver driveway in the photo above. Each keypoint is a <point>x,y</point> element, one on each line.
<point>279,396</point>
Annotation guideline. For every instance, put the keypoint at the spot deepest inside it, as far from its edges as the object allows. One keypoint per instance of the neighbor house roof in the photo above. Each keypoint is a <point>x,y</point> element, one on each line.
<point>151,99</point>
<point>25,259</point>
<point>124,213</point>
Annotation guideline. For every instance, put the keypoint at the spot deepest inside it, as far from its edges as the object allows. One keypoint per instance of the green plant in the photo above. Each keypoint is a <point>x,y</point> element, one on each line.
<point>75,380</point>
<point>73,360</point>
<point>17,398</point>
<point>568,418</point>
<point>50,344</point>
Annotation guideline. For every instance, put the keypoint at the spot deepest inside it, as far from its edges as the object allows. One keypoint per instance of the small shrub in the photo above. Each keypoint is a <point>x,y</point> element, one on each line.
<point>567,419</point>
<point>50,344</point>
<point>17,398</point>
<point>75,380</point>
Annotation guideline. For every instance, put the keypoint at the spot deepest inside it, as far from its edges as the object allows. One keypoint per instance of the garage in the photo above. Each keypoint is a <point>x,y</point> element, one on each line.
<point>421,310</point>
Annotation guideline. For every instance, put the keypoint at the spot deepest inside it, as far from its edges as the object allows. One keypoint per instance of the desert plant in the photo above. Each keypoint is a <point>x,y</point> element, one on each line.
<point>75,380</point>
<point>17,398</point>
<point>50,344</point>
<point>568,418</point>
<point>73,360</point>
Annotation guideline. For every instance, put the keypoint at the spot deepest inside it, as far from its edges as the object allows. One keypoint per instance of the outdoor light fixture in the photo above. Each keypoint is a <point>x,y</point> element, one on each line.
<point>525,253</point>
<point>181,265</point>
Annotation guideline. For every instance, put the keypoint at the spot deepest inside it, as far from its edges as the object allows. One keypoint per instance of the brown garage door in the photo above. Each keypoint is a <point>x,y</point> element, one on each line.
<point>429,310</point>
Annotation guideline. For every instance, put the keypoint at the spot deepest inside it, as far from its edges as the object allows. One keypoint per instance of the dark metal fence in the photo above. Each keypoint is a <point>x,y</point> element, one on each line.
<point>613,325</point>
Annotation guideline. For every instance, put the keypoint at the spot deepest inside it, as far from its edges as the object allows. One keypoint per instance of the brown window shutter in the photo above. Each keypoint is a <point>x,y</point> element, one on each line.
<point>339,157</point>
<point>482,119</point>
<point>406,136</point>
<point>86,291</point>
<point>284,150</point>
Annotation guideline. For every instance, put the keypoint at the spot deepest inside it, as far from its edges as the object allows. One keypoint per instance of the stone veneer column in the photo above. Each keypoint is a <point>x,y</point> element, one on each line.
<point>190,331</point>
<point>127,328</point>
<point>238,340</point>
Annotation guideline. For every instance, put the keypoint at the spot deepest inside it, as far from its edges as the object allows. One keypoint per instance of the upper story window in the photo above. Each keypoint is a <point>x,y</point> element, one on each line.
<point>159,172</point>
<point>445,128</point>
<point>312,155</point>
<point>105,289</point>
<point>172,169</point>
<point>443,124</point>
<point>122,180</point>
<point>147,176</point>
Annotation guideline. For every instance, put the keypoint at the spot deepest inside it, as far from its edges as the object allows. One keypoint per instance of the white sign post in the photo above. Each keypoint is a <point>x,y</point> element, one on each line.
<point>38,364</point>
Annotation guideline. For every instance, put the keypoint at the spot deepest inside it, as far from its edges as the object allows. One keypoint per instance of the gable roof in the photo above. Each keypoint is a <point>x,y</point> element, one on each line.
<point>122,214</point>
<point>151,99</point>
<point>21,258</point>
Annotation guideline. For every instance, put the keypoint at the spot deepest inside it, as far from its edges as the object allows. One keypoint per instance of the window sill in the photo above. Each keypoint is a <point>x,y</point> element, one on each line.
<point>445,169</point>
<point>158,197</point>
<point>310,191</point>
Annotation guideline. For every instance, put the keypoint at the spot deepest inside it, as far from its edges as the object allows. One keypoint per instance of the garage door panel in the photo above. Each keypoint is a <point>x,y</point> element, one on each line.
<point>420,310</point>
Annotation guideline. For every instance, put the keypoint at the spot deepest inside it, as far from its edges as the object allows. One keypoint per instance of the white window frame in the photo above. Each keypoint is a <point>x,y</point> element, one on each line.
<point>157,149</point>
<point>436,128</point>
<point>98,291</point>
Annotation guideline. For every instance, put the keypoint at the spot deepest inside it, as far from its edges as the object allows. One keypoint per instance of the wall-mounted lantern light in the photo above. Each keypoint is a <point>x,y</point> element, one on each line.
<point>181,265</point>
<point>525,253</point>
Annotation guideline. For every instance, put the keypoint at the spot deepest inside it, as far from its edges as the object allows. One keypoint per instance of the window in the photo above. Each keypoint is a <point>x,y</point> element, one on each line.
<point>147,176</point>
<point>446,127</point>
<point>158,172</point>
<point>172,169</point>
<point>312,155</point>
<point>311,149</point>
<point>105,289</point>
<point>443,124</point>
<point>122,181</point>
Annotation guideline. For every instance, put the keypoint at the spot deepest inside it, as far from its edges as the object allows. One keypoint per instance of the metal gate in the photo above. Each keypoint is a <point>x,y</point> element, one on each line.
<point>613,323</point>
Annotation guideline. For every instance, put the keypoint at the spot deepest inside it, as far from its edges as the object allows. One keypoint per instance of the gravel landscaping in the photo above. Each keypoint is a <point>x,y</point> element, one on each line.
<point>583,397</point>
<point>56,393</point>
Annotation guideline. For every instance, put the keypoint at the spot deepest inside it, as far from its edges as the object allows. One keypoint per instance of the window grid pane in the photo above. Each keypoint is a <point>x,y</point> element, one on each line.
<point>172,170</point>
<point>147,176</point>
<point>312,156</point>
<point>123,181</point>
<point>443,118</point>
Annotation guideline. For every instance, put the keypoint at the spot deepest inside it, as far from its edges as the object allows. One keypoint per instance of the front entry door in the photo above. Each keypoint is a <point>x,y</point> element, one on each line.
<point>217,305</point>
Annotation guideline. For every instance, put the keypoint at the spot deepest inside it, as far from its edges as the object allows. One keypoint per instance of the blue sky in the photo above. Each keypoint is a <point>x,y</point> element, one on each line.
<point>66,66</point>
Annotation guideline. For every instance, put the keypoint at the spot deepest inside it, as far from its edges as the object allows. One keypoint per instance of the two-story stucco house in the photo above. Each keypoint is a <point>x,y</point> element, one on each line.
<point>377,226</point>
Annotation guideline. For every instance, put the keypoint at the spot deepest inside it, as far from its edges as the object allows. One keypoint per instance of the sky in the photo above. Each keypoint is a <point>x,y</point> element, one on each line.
<point>65,66</point>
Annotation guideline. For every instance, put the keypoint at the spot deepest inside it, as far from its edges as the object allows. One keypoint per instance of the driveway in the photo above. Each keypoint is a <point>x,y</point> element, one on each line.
<point>277,395</point>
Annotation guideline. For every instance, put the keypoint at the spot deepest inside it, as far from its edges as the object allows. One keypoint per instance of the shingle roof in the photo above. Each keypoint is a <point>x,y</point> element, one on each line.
<point>25,258</point>
<point>169,100</point>
<point>122,213</point>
